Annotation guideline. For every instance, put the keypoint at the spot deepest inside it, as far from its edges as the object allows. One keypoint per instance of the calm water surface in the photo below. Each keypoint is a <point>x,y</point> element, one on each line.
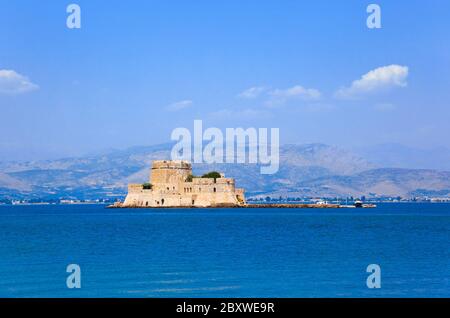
<point>225,252</point>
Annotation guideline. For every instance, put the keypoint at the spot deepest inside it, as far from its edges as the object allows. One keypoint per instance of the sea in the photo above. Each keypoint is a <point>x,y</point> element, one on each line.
<point>225,252</point>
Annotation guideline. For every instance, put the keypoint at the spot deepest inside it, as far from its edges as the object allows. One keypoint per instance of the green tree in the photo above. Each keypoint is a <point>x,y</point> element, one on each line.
<point>212,174</point>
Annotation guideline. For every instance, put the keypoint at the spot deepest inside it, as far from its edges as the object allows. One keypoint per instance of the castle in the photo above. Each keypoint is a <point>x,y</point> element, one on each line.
<point>172,185</point>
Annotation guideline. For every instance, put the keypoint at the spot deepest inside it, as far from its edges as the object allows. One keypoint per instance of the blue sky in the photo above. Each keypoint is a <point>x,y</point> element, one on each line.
<point>138,69</point>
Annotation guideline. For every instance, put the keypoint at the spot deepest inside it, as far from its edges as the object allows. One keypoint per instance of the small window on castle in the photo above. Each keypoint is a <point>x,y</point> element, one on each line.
<point>214,189</point>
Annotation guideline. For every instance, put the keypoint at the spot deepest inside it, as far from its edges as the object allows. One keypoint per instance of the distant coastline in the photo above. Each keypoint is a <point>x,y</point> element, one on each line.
<point>309,172</point>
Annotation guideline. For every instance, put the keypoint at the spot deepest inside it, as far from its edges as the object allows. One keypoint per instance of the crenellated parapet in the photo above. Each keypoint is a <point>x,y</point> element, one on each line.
<point>171,164</point>
<point>135,188</point>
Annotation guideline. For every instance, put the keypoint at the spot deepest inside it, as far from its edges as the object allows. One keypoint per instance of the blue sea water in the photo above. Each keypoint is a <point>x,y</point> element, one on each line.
<point>225,252</point>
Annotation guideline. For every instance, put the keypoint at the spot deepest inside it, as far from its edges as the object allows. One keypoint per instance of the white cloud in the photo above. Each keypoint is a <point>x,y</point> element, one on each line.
<point>379,79</point>
<point>179,105</point>
<point>252,92</point>
<point>14,83</point>
<point>281,96</point>
<point>297,91</point>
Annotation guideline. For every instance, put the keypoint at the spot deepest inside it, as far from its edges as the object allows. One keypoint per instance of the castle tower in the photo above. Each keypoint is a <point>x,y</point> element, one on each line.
<point>166,175</point>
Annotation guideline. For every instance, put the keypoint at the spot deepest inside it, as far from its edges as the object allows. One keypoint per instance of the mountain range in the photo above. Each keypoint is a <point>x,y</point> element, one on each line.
<point>309,170</point>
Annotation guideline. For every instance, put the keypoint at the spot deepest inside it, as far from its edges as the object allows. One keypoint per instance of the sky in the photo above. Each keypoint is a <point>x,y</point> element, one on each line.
<point>136,70</point>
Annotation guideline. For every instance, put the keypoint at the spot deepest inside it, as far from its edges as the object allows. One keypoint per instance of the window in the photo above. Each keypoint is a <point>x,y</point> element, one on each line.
<point>214,189</point>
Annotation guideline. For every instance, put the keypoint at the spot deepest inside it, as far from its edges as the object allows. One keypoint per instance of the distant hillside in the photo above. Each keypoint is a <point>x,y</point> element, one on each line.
<point>305,170</point>
<point>376,182</point>
<point>399,156</point>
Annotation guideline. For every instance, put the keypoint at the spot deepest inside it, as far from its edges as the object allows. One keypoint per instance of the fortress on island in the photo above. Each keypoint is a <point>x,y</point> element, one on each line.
<point>172,184</point>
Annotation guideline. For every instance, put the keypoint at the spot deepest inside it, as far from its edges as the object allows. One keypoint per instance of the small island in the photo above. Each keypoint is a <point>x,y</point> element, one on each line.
<point>172,185</point>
